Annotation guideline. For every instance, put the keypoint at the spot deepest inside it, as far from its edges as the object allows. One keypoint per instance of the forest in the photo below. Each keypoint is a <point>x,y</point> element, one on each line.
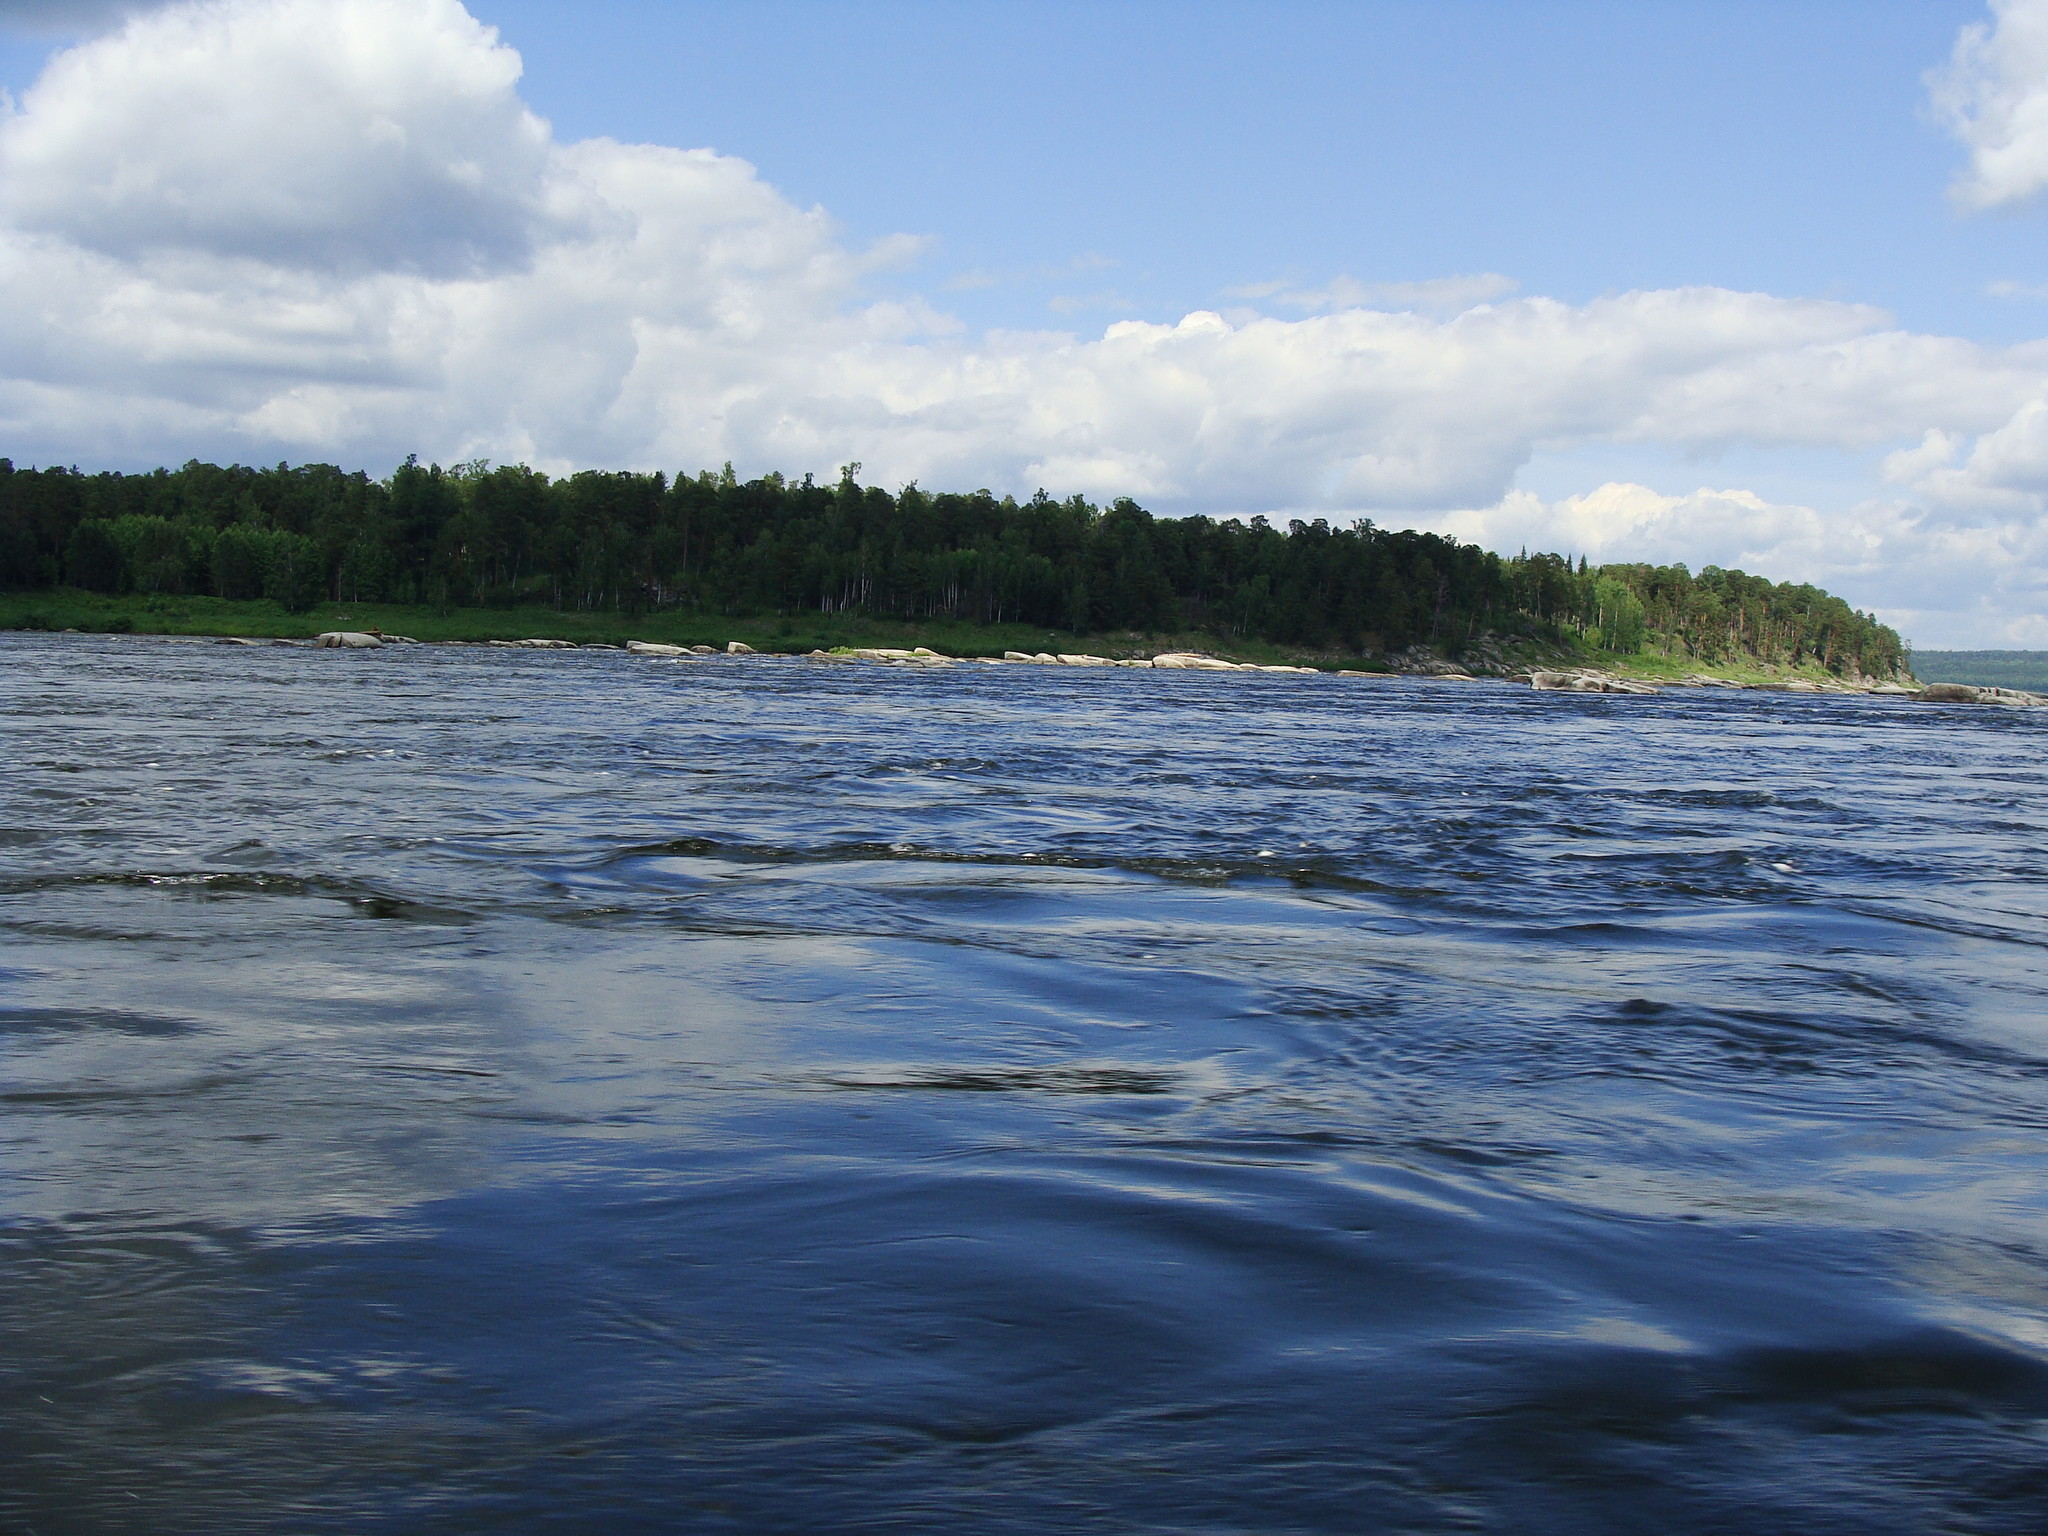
<point>508,536</point>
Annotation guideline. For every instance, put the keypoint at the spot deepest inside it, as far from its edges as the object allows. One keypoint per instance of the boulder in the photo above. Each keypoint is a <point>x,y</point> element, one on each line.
<point>347,640</point>
<point>1017,656</point>
<point>703,650</point>
<point>1188,661</point>
<point>1964,693</point>
<point>738,648</point>
<point>1085,661</point>
<point>830,656</point>
<point>1584,682</point>
<point>1421,661</point>
<point>652,648</point>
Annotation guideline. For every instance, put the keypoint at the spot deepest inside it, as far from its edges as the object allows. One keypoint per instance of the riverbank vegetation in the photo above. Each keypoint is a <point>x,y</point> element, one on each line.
<point>494,552</point>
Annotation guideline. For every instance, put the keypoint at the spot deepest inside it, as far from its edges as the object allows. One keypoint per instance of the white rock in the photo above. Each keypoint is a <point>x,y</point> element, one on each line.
<point>1188,661</point>
<point>347,639</point>
<point>739,648</point>
<point>652,648</point>
<point>1587,681</point>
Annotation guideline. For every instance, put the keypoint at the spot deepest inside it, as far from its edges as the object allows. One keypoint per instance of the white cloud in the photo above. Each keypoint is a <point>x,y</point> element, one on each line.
<point>291,132</point>
<point>1993,94</point>
<point>2004,472</point>
<point>1943,582</point>
<point>331,228</point>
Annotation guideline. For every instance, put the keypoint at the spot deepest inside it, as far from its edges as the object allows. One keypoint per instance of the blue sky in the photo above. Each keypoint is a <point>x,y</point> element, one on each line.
<point>1738,283</point>
<point>1168,153</point>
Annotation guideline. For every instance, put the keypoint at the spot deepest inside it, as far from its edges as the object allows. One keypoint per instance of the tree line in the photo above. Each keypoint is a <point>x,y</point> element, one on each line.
<point>478,535</point>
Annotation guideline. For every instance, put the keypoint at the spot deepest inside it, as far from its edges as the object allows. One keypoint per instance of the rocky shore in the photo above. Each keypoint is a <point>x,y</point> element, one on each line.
<point>1417,663</point>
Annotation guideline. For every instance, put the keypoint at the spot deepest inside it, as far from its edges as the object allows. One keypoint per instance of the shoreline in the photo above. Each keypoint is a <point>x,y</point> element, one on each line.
<point>1484,654</point>
<point>1580,679</point>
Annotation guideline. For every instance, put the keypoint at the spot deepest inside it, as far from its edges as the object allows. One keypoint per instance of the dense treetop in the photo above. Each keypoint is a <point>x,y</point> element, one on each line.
<point>504,536</point>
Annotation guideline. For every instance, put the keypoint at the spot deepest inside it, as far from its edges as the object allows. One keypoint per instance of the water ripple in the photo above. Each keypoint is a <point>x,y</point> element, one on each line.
<point>493,1091</point>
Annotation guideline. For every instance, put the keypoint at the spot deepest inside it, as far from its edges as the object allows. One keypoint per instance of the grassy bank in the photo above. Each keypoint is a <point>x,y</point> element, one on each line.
<point>91,613</point>
<point>135,614</point>
<point>1655,667</point>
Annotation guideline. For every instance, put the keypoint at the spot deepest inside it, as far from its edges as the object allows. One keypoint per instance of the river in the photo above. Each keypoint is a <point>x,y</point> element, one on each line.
<point>455,1090</point>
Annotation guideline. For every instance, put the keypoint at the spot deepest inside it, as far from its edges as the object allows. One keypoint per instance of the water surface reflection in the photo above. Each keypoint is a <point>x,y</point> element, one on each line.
<point>453,1090</point>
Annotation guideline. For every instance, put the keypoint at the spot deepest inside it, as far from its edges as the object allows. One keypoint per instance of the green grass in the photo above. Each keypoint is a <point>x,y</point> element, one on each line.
<point>1655,667</point>
<point>68,608</point>
<point>90,612</point>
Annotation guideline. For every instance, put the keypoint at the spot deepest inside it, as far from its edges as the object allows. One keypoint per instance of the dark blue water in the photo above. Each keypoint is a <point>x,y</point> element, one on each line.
<point>456,1090</point>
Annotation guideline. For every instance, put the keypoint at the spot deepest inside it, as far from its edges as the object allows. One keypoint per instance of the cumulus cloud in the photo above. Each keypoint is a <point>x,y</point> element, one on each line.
<point>1942,581</point>
<point>1993,94</point>
<point>291,133</point>
<point>332,228</point>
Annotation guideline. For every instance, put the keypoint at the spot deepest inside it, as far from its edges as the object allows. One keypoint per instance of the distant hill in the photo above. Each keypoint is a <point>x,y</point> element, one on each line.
<point>1994,669</point>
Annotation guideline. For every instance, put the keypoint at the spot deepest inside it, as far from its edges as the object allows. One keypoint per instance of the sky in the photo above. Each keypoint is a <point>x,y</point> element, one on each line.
<point>1757,285</point>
